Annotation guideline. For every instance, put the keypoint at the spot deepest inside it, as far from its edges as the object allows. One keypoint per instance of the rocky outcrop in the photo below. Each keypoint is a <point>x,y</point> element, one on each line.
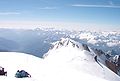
<point>112,66</point>
<point>99,52</point>
<point>85,47</point>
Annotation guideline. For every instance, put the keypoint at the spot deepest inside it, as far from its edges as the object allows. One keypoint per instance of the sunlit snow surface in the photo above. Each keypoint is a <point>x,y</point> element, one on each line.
<point>63,64</point>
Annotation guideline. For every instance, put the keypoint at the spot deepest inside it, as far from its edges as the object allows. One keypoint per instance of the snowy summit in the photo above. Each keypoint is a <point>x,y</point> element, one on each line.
<point>68,60</point>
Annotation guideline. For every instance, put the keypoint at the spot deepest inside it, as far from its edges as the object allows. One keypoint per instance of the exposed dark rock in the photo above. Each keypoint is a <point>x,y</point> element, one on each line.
<point>112,66</point>
<point>99,52</point>
<point>85,47</point>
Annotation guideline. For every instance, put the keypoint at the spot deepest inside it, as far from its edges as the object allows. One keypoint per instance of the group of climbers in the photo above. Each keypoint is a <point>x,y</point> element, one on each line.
<point>19,73</point>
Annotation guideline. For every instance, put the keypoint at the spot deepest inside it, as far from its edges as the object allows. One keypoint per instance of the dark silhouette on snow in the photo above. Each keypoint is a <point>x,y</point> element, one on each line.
<point>22,74</point>
<point>2,72</point>
<point>97,61</point>
<point>95,58</point>
<point>85,47</point>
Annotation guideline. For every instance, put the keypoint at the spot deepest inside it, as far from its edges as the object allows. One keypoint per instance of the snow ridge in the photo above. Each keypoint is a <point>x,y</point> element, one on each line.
<point>78,56</point>
<point>64,42</point>
<point>68,43</point>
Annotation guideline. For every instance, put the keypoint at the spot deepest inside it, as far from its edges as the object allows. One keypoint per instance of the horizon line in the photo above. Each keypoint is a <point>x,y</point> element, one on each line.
<point>95,6</point>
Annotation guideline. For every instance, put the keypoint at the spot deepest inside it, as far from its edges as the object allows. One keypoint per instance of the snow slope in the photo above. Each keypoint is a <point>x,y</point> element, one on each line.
<point>81,61</point>
<point>68,62</point>
<point>12,62</point>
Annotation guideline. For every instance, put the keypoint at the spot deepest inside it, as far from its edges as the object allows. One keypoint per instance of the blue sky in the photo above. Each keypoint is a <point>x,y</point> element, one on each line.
<point>97,13</point>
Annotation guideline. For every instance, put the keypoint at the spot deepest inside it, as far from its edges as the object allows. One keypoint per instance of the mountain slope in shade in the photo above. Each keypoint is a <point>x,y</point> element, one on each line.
<point>68,61</point>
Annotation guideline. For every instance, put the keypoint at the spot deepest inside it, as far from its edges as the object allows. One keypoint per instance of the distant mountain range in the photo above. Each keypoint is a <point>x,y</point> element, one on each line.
<point>38,41</point>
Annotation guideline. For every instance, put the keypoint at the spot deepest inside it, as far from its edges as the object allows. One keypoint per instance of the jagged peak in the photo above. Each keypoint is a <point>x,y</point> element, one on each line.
<point>67,42</point>
<point>64,42</point>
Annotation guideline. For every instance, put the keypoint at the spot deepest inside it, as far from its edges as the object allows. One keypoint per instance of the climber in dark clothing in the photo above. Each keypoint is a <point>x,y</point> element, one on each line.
<point>2,72</point>
<point>95,58</point>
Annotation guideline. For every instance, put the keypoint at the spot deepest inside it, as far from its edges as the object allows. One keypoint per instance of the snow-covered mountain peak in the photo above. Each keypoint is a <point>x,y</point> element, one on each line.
<point>68,49</point>
<point>66,53</point>
<point>67,42</point>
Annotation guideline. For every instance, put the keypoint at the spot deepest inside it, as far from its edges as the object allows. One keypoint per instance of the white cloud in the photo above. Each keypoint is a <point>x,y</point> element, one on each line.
<point>96,6</point>
<point>34,24</point>
<point>58,25</point>
<point>48,8</point>
<point>9,13</point>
